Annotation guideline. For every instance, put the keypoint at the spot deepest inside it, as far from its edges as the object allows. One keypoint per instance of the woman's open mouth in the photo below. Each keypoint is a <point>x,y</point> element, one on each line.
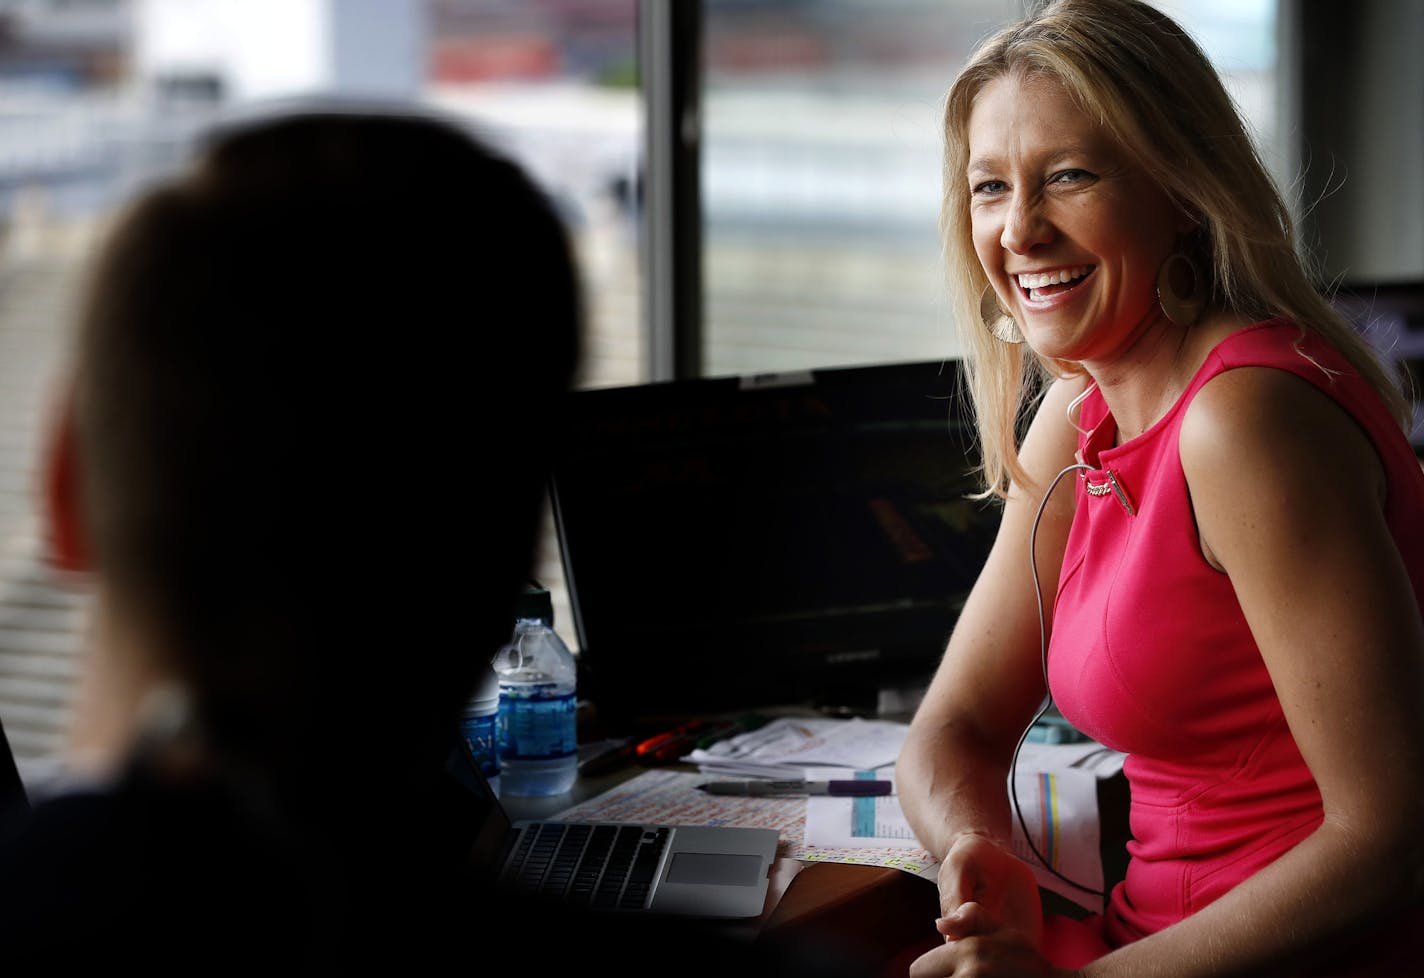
<point>1037,286</point>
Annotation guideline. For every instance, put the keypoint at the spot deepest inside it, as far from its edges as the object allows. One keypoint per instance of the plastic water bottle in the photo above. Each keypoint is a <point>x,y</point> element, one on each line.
<point>478,725</point>
<point>537,723</point>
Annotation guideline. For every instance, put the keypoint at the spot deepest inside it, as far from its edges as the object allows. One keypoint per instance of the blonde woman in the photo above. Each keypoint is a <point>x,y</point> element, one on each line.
<point>1212,545</point>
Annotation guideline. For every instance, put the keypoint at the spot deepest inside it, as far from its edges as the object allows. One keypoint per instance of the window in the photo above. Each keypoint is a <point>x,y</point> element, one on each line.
<point>98,97</point>
<point>821,167</point>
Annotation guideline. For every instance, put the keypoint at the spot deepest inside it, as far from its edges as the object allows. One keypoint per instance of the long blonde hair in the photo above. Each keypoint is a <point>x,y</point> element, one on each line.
<point>1142,78</point>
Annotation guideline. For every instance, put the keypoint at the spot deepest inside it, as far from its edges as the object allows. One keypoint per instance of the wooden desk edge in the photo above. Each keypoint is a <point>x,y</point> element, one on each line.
<point>871,912</point>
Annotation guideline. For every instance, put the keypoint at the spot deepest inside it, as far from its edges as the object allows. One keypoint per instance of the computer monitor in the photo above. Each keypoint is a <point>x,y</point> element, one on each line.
<point>742,542</point>
<point>1391,317</point>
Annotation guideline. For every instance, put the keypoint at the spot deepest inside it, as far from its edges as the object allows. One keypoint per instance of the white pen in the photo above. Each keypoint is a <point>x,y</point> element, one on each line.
<point>849,788</point>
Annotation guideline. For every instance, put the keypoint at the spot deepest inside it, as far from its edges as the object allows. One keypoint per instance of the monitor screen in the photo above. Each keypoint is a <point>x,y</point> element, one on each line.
<point>751,541</point>
<point>1391,318</point>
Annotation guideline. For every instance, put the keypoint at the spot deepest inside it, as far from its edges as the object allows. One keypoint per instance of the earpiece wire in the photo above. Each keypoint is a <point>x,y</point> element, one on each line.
<point>1048,692</point>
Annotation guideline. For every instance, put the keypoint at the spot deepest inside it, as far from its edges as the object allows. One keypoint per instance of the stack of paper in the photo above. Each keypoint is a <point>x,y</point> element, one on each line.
<point>1054,795</point>
<point>785,747</point>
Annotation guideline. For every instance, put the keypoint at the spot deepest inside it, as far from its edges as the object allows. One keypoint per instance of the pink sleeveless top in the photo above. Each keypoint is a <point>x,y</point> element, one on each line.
<point>1151,655</point>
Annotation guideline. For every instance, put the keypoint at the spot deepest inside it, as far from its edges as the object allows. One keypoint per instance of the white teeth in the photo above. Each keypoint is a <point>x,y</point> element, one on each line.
<point>1037,280</point>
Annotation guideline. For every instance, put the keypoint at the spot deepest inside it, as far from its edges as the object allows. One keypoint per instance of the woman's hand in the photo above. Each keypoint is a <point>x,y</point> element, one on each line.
<point>993,917</point>
<point>985,889</point>
<point>1001,954</point>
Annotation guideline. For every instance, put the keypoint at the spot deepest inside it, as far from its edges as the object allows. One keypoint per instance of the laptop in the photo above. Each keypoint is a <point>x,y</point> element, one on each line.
<point>732,543</point>
<point>693,871</point>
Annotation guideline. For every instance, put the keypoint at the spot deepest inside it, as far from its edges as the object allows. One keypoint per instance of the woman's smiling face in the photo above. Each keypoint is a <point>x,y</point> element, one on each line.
<point>1069,231</point>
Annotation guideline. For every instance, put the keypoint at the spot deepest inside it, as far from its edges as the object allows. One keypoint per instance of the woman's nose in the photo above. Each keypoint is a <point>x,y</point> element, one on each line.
<point>1025,225</point>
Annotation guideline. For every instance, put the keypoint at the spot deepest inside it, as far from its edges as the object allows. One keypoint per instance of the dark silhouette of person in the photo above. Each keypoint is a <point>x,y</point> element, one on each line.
<point>316,393</point>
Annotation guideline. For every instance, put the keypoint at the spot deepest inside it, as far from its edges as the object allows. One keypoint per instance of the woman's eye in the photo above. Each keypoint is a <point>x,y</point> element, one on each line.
<point>1072,176</point>
<point>988,187</point>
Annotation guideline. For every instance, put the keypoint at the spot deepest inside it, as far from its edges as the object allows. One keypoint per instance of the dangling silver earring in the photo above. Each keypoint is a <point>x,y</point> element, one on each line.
<point>1181,289</point>
<point>1000,324</point>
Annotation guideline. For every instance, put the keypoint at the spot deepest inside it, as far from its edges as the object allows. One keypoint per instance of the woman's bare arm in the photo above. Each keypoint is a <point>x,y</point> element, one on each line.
<point>952,770</point>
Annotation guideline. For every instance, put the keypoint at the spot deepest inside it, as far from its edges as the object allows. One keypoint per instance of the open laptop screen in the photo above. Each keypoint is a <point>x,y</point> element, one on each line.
<point>792,538</point>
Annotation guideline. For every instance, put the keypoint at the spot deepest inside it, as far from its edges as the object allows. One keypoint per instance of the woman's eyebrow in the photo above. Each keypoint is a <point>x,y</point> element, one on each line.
<point>981,167</point>
<point>987,165</point>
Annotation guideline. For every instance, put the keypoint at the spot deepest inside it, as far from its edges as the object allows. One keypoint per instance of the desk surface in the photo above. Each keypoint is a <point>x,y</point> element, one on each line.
<point>869,912</point>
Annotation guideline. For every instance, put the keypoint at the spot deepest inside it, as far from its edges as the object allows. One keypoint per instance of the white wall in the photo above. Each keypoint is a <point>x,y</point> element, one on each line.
<point>1377,234</point>
<point>1357,99</point>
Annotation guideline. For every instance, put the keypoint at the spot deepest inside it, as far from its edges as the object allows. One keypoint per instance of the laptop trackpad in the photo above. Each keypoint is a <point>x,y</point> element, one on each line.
<point>724,869</point>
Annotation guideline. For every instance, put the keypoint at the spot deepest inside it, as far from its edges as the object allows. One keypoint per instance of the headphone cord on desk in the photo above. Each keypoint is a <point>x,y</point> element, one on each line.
<point>1048,693</point>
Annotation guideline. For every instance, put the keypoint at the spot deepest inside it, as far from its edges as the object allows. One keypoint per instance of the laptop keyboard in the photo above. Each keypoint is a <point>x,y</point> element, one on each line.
<point>608,867</point>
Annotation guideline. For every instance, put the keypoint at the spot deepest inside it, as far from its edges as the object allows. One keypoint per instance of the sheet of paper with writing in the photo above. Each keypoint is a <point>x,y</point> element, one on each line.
<point>785,746</point>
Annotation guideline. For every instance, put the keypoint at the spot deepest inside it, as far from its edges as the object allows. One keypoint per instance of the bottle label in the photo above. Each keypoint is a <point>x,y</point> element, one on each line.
<point>536,723</point>
<point>479,734</point>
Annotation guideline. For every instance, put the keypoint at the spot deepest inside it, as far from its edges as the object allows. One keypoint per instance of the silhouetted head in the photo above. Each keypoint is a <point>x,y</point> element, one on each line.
<point>319,382</point>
